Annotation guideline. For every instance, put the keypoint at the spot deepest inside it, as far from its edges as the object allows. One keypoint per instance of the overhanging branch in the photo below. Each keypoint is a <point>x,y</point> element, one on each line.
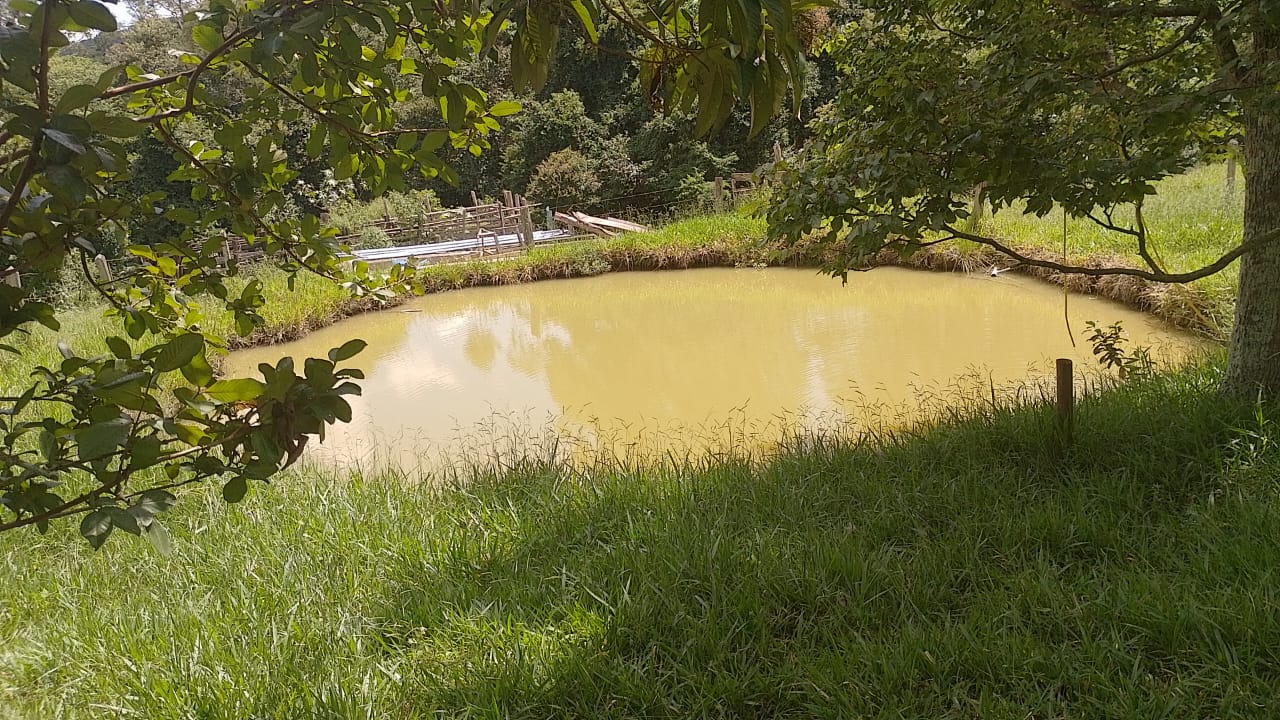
<point>1160,277</point>
<point>1163,52</point>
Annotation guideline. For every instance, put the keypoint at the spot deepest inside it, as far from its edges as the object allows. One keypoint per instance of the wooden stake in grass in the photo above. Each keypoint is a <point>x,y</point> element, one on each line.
<point>1066,400</point>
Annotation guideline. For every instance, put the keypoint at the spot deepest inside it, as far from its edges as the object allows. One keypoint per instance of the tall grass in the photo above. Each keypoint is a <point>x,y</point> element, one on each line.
<point>973,570</point>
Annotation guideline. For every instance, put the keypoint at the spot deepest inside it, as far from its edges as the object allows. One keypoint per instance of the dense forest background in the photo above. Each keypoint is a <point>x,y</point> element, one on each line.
<point>591,138</point>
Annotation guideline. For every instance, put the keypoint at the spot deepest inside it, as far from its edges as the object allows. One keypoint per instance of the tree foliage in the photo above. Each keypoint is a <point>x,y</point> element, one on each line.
<point>563,179</point>
<point>111,433</point>
<point>1079,105</point>
<point>1048,107</point>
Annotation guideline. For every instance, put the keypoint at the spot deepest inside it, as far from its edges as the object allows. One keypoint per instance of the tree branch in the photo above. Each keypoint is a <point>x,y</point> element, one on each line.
<point>1225,45</point>
<point>37,142</point>
<point>1143,252</point>
<point>70,506</point>
<point>1110,225</point>
<point>1163,52</point>
<point>144,85</point>
<point>1160,277</point>
<point>194,76</point>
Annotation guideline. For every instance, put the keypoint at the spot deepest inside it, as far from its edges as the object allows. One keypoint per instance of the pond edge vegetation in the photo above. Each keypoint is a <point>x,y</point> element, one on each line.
<point>735,240</point>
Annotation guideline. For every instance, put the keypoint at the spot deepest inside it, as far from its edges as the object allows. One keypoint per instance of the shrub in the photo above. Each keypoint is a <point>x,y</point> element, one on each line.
<point>565,178</point>
<point>353,216</point>
<point>372,237</point>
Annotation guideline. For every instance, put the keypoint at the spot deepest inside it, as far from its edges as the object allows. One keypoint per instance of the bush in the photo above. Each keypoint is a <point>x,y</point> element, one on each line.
<point>564,179</point>
<point>353,216</point>
<point>372,237</point>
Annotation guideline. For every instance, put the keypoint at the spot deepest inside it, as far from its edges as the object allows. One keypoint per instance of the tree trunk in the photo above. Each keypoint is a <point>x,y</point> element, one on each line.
<point>1253,366</point>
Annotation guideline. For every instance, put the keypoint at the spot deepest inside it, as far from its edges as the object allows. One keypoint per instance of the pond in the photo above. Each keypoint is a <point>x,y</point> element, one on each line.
<point>689,360</point>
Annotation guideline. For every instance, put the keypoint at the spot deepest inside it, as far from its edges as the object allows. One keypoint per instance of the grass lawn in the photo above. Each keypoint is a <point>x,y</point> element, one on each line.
<point>970,571</point>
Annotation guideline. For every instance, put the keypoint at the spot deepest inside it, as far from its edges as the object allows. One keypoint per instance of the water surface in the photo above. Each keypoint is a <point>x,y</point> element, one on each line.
<point>687,359</point>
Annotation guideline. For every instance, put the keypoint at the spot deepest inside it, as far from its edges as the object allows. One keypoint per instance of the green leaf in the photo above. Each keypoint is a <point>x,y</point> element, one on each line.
<point>76,97</point>
<point>197,371</point>
<point>207,37</point>
<point>235,390</point>
<point>120,347</point>
<point>96,527</point>
<point>92,14</point>
<point>144,452</point>
<point>118,126</point>
<point>504,108</point>
<point>48,445</point>
<point>588,22</point>
<point>406,141</point>
<point>124,520</point>
<point>159,538</point>
<point>65,139</point>
<point>235,490</point>
<point>102,438</point>
<point>177,352</point>
<point>453,106</point>
<point>315,142</point>
<point>349,349</point>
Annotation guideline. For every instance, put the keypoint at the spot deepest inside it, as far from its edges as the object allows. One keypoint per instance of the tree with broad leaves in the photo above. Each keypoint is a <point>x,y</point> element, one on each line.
<point>1078,104</point>
<point>110,435</point>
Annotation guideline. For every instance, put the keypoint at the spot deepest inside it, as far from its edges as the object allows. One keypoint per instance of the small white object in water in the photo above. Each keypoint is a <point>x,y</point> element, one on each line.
<point>995,271</point>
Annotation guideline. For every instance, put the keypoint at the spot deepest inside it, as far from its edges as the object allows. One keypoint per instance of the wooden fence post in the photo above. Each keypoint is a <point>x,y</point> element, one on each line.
<point>551,219</point>
<point>104,270</point>
<point>1066,400</point>
<point>525,222</point>
<point>717,193</point>
<point>475,201</point>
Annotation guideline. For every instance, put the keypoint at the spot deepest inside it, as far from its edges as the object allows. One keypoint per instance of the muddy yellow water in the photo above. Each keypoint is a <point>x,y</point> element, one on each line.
<point>690,359</point>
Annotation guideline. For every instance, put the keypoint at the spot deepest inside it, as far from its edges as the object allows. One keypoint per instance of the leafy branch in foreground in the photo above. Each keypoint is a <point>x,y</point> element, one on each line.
<point>112,433</point>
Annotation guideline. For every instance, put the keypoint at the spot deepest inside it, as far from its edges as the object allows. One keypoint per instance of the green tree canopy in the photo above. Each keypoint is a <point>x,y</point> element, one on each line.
<point>1076,104</point>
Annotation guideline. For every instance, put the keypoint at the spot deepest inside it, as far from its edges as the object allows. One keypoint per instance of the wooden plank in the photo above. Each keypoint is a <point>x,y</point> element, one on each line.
<point>576,224</point>
<point>611,223</point>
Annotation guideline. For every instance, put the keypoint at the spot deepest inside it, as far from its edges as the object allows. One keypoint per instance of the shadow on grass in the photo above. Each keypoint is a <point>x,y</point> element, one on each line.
<point>970,571</point>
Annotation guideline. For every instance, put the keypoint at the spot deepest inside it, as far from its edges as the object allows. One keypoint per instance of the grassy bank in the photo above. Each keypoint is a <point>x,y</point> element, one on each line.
<point>970,571</point>
<point>1192,223</point>
<point>1191,219</point>
<point>315,302</point>
<point>715,240</point>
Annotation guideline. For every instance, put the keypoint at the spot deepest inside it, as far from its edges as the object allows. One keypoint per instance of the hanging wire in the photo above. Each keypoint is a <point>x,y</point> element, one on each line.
<point>1066,316</point>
